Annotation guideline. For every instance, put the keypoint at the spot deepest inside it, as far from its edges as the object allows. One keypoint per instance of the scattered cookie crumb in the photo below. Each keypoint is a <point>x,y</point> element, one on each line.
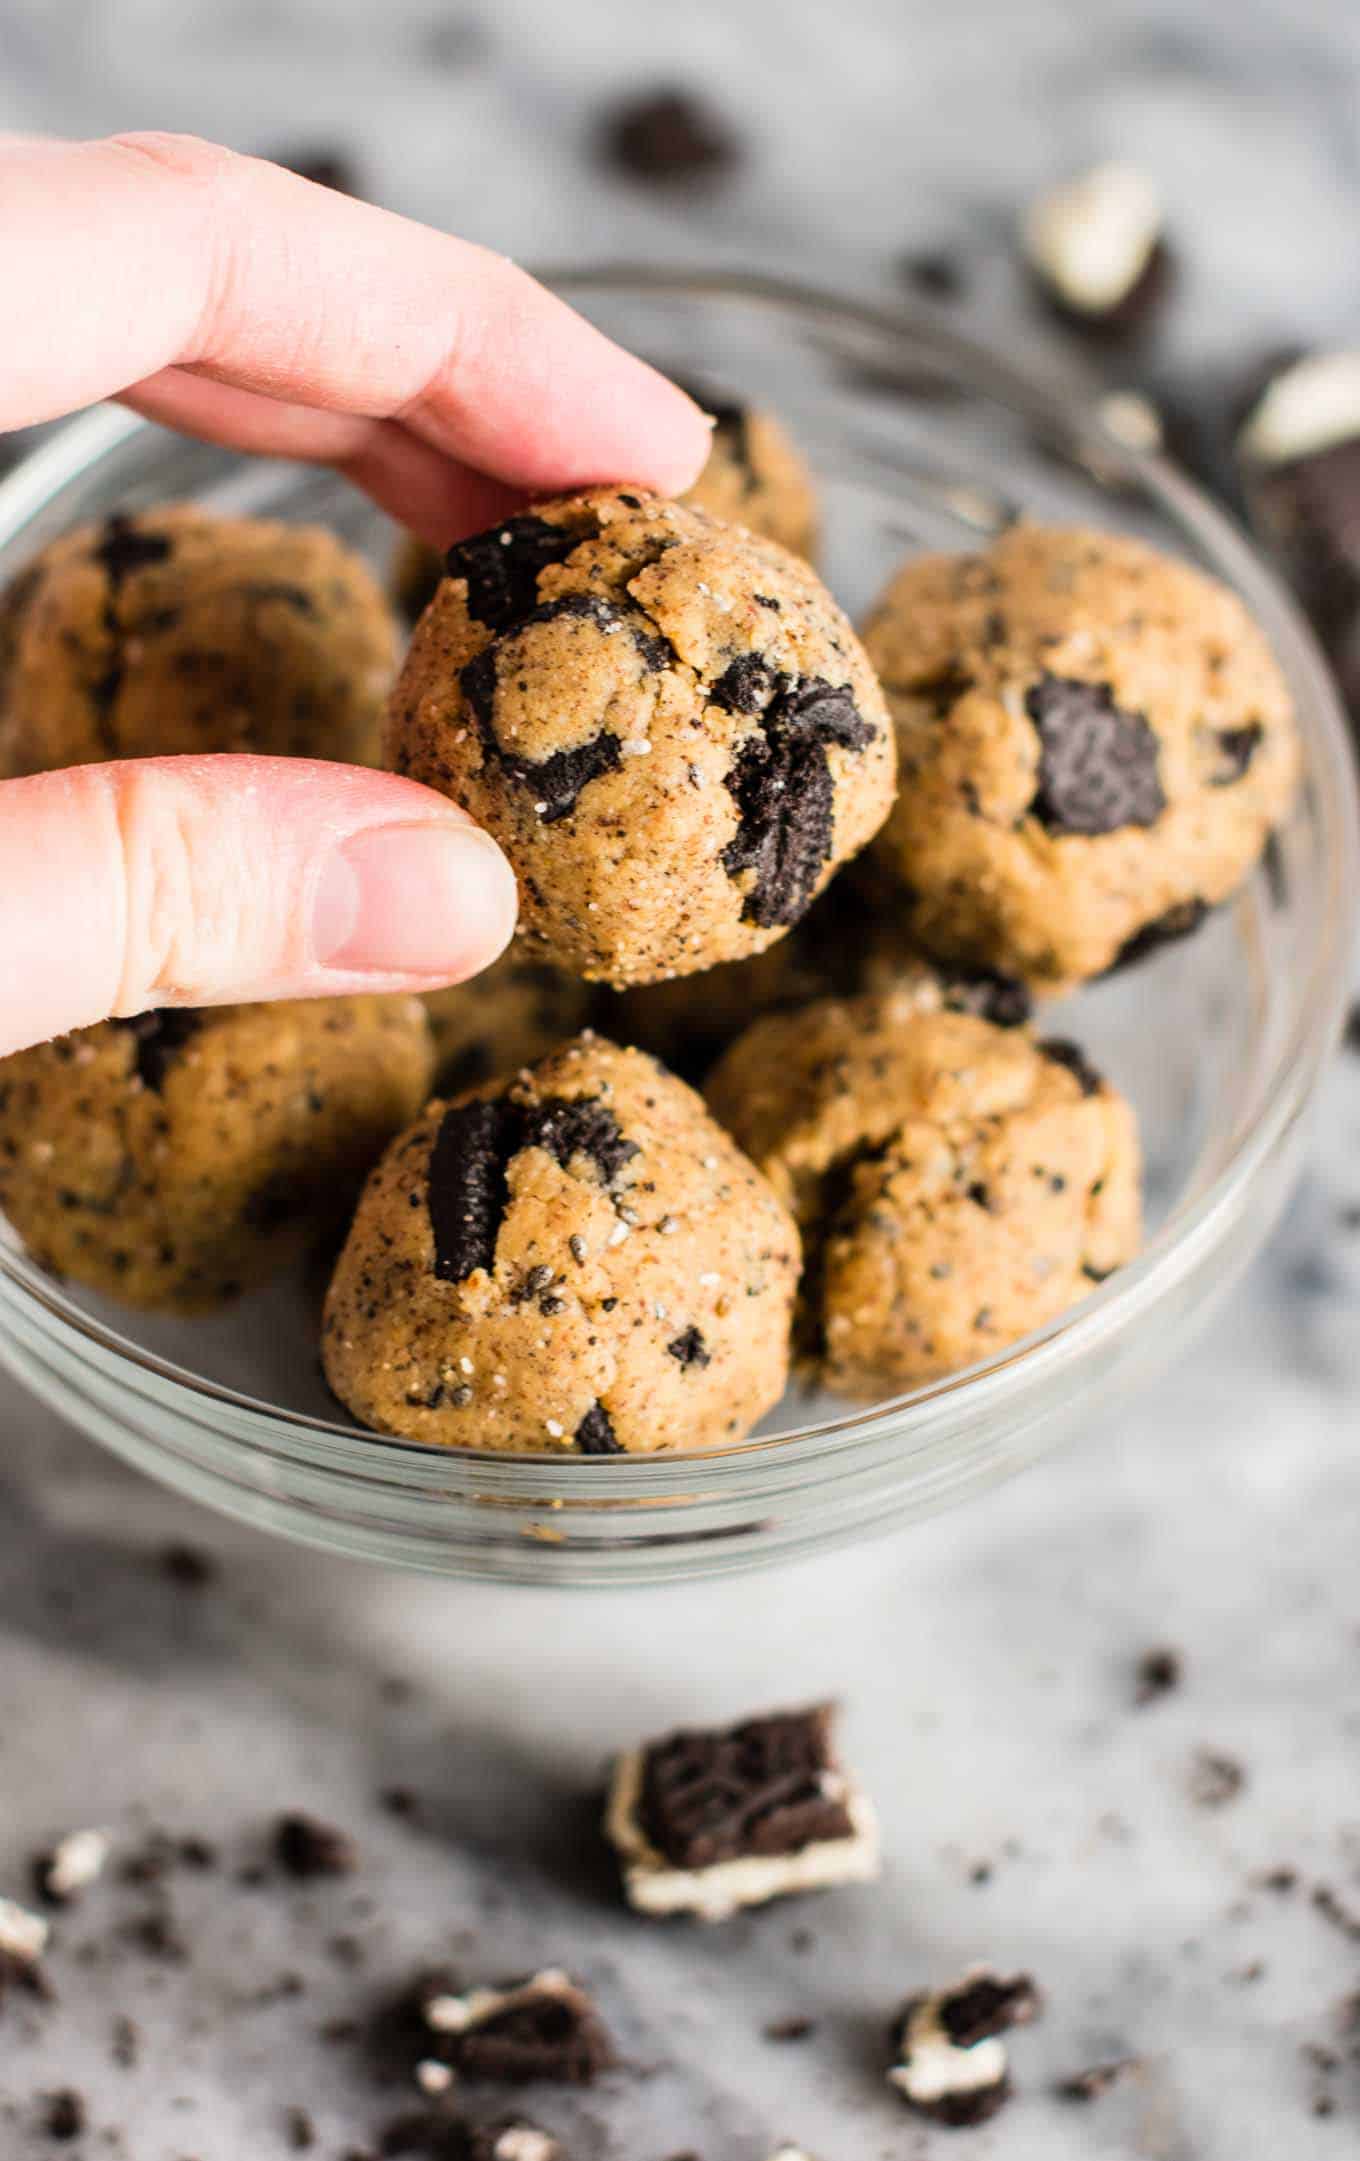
<point>1334,1909</point>
<point>951,2063</point>
<point>188,1566</point>
<point>668,135</point>
<point>1092,2084</point>
<point>65,2115</point>
<point>299,2130</point>
<point>1215,1779</point>
<point>1160,1671</point>
<point>306,1847</point>
<point>545,2027</point>
<point>70,1867</point>
<point>790,2029</point>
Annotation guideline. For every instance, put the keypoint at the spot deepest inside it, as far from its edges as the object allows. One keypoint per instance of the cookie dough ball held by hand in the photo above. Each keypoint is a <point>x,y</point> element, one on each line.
<point>667,724</point>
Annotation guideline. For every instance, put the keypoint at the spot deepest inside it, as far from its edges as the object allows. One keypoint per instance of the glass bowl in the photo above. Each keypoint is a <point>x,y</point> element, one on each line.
<point>920,439</point>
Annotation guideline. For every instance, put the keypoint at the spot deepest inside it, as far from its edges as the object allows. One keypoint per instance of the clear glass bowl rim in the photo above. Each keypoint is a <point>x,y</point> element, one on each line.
<point>1194,1226</point>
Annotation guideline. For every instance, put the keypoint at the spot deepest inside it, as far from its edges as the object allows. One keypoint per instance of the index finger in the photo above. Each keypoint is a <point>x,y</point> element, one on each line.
<point>148,252</point>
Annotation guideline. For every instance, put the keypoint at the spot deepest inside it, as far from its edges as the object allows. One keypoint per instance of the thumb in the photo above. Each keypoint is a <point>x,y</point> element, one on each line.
<point>199,881</point>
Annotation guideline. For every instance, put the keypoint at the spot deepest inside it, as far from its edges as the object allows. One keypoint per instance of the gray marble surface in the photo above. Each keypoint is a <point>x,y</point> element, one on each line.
<point>1033,1816</point>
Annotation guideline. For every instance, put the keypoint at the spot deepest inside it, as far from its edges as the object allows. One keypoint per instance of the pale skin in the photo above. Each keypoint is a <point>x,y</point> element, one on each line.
<point>229,299</point>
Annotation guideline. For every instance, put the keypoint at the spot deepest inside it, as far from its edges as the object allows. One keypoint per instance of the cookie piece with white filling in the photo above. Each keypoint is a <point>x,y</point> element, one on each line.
<point>707,1821</point>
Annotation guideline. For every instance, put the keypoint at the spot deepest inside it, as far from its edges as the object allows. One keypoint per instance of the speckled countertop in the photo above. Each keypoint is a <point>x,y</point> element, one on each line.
<point>1033,1814</point>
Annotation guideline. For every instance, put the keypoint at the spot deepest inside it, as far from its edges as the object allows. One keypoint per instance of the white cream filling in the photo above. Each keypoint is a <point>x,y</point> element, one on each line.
<point>457,2014</point>
<point>23,1935</point>
<point>76,1861</point>
<point>933,2069</point>
<point>1092,238</point>
<point>1310,407</point>
<point>713,1894</point>
<point>521,2142</point>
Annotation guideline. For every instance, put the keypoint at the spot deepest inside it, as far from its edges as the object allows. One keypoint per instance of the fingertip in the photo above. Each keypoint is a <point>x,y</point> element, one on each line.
<point>428,903</point>
<point>679,435</point>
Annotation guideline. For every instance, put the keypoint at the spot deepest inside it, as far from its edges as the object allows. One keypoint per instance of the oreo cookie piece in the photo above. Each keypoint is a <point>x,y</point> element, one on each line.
<point>159,1037</point>
<point>1065,1053</point>
<point>668,135</point>
<point>1170,928</point>
<point>1098,765</point>
<point>950,2062</point>
<point>543,2028</point>
<point>1095,246</point>
<point>468,1184</point>
<point>782,786</point>
<point>1299,458</point>
<point>502,566</point>
<point>705,1822</point>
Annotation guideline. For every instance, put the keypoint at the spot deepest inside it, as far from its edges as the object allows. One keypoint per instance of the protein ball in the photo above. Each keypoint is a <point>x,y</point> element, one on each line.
<point>956,1184</point>
<point>580,1263</point>
<point>174,630</point>
<point>666,722</point>
<point>1094,743</point>
<point>177,1159</point>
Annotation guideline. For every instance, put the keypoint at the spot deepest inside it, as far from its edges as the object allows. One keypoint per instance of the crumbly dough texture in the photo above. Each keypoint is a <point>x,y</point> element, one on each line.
<point>957,1184</point>
<point>175,630</point>
<point>178,1159</point>
<point>511,1015</point>
<point>666,722</point>
<point>579,1263</point>
<point>754,477</point>
<point>1094,742</point>
<point>846,944</point>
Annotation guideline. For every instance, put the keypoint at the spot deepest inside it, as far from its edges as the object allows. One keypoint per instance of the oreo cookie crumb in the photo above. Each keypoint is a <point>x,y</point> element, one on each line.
<point>782,786</point>
<point>790,2029</point>
<point>935,273</point>
<point>1215,1779</point>
<point>1280,1881</point>
<point>502,566</point>
<point>689,1348</point>
<point>1004,1000</point>
<point>1159,1673</point>
<point>1176,923</point>
<point>327,168</point>
<point>595,1434</point>
<point>65,2115</point>
<point>123,549</point>
<point>1098,765</point>
<point>306,1848</point>
<point>125,2045</point>
<point>188,1566</point>
<point>546,2027</point>
<point>1099,2080</point>
<point>401,1801</point>
<point>668,135</point>
<point>299,2130</point>
<point>158,1037</point>
<point>1238,747</point>
<point>1064,1053</point>
<point>1334,1909</point>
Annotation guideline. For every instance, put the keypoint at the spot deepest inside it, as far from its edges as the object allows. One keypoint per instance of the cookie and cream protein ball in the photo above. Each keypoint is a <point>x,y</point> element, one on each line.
<point>956,1184</point>
<point>577,1261</point>
<point>174,630</point>
<point>177,1159</point>
<point>666,722</point>
<point>1094,742</point>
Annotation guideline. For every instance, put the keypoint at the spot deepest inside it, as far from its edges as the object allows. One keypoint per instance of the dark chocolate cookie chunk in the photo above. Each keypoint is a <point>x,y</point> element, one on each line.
<point>766,1787</point>
<point>668,135</point>
<point>475,1145</point>
<point>1177,923</point>
<point>783,789</point>
<point>545,2028</point>
<point>1097,764</point>
<point>158,1037</point>
<point>502,567</point>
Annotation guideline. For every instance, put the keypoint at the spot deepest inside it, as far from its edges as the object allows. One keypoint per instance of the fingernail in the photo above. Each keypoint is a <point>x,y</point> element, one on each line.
<point>435,900</point>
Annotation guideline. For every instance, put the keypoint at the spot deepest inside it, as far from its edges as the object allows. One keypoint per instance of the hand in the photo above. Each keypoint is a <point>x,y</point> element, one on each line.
<point>232,300</point>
